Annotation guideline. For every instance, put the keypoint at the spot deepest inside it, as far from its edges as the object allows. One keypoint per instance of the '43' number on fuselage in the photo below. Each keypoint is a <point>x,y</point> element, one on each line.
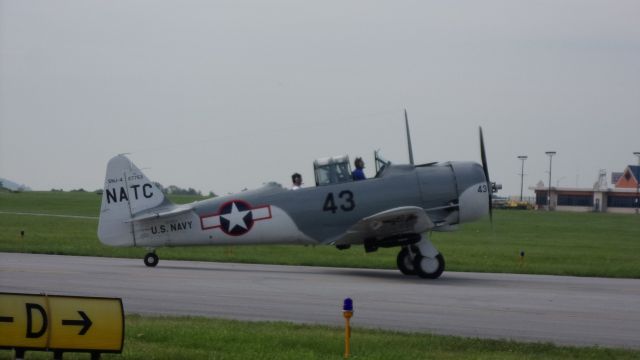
<point>345,200</point>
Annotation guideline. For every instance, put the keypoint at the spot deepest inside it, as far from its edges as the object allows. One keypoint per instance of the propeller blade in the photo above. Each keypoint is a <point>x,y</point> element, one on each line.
<point>483,155</point>
<point>406,124</point>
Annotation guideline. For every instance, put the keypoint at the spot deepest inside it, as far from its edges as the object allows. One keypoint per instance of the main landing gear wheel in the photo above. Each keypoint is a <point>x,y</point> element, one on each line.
<point>151,259</point>
<point>429,268</point>
<point>405,262</point>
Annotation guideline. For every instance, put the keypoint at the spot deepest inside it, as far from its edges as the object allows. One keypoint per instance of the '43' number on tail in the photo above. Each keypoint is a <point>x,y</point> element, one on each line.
<point>345,200</point>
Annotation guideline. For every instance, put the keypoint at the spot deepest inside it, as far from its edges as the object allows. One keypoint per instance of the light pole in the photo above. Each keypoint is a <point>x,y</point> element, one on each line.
<point>637,153</point>
<point>523,158</point>
<point>550,153</point>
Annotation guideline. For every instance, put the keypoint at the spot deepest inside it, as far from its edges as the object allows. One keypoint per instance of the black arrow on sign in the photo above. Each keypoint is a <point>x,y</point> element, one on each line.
<point>8,319</point>
<point>85,323</point>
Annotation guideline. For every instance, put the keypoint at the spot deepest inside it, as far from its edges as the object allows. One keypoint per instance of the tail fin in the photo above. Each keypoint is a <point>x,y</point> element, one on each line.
<point>127,192</point>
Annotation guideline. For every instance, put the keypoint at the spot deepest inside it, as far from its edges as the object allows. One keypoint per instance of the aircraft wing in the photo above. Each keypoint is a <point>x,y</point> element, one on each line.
<point>388,223</point>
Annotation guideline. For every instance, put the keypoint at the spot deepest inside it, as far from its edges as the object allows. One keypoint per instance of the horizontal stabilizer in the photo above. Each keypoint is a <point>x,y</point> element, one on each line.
<point>159,214</point>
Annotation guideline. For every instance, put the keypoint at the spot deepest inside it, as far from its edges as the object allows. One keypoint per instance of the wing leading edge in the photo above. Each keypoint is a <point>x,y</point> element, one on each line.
<point>396,222</point>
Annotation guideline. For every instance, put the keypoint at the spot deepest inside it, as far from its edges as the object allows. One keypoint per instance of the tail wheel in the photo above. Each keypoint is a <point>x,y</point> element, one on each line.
<point>429,268</point>
<point>151,259</point>
<point>405,262</point>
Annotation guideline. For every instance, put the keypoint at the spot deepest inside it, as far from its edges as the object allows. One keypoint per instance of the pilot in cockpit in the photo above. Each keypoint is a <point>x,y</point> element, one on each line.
<point>358,173</point>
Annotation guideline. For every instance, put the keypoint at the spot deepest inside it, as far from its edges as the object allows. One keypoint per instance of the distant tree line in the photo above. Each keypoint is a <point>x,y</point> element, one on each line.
<point>21,188</point>
<point>176,190</point>
<point>169,190</point>
<point>81,190</point>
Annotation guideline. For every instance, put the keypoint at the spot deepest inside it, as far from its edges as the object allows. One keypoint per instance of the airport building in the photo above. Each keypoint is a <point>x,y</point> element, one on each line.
<point>622,197</point>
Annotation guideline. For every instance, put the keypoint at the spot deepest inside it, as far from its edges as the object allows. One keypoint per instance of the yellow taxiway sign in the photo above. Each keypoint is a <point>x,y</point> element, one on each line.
<point>65,323</point>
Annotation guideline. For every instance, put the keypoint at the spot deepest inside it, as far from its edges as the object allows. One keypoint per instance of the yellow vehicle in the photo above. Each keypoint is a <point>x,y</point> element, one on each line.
<point>518,205</point>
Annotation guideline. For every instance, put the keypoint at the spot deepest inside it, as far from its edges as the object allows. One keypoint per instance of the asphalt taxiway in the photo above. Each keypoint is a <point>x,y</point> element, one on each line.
<point>558,309</point>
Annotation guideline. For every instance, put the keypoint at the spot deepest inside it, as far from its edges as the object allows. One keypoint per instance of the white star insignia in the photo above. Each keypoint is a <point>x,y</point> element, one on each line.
<point>236,217</point>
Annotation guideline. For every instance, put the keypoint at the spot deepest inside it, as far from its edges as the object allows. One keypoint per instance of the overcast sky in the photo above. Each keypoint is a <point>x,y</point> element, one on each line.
<point>226,95</point>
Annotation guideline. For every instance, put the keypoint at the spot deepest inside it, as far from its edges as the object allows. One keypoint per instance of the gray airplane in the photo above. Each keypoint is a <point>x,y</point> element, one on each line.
<point>400,206</point>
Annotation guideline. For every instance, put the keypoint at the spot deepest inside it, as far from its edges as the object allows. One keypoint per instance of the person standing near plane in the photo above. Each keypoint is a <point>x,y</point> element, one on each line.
<point>358,173</point>
<point>296,179</point>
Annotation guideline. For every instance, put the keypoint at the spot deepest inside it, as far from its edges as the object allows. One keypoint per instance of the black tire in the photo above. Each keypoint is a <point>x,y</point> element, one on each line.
<point>429,268</point>
<point>151,259</point>
<point>405,263</point>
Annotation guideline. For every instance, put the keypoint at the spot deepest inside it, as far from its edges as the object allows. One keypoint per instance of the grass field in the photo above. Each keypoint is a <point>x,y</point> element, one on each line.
<point>200,338</point>
<point>555,243</point>
<point>581,244</point>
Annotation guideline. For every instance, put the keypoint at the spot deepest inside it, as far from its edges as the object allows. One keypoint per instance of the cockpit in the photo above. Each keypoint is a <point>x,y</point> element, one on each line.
<point>380,162</point>
<point>332,170</point>
<point>337,169</point>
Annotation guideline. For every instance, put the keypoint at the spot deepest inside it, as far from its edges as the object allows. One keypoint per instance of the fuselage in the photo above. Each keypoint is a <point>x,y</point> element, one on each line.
<point>451,193</point>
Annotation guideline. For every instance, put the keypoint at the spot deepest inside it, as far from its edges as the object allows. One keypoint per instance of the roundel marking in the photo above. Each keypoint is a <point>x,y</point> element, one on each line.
<point>235,217</point>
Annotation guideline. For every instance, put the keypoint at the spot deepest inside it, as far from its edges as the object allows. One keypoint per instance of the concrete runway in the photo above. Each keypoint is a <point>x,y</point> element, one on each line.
<point>558,309</point>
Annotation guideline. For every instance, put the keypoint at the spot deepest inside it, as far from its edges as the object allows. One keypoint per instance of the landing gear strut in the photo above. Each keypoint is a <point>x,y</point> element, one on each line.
<point>151,259</point>
<point>421,259</point>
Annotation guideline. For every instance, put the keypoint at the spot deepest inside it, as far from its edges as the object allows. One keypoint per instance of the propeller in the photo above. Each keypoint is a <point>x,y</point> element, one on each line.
<point>486,174</point>
<point>406,124</point>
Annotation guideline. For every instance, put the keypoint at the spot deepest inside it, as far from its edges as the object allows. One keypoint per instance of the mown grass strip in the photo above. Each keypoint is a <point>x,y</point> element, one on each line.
<point>203,338</point>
